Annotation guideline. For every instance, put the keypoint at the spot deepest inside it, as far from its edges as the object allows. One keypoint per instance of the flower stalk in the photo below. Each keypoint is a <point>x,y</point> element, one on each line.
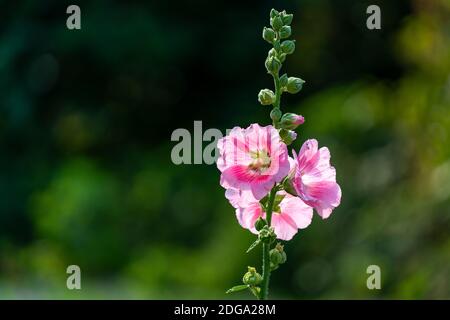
<point>272,193</point>
<point>266,248</point>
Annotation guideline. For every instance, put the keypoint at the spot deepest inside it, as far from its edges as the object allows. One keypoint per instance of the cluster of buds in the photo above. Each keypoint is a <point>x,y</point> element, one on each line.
<point>251,277</point>
<point>250,280</point>
<point>267,235</point>
<point>277,36</point>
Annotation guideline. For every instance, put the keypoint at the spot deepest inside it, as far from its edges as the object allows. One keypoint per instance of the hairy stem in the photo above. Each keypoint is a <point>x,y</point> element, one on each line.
<point>276,80</point>
<point>266,248</point>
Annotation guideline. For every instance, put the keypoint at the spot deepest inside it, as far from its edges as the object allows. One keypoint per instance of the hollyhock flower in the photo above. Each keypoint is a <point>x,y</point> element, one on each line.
<point>289,214</point>
<point>314,179</point>
<point>252,159</point>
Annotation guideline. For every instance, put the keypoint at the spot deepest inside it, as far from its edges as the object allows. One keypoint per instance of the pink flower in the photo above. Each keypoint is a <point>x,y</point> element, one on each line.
<point>314,179</point>
<point>252,159</point>
<point>290,214</point>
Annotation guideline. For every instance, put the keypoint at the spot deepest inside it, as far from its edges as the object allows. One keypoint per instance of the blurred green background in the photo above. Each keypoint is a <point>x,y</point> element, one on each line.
<point>86,118</point>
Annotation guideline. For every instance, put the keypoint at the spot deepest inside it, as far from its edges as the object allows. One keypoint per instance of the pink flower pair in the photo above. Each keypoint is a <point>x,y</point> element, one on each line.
<point>253,160</point>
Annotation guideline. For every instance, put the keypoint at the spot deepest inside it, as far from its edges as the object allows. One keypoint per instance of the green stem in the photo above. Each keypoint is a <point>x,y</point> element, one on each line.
<point>266,247</point>
<point>276,80</point>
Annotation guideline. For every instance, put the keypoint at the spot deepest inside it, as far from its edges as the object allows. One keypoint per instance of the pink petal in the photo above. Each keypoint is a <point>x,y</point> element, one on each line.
<point>284,228</point>
<point>327,195</point>
<point>239,198</point>
<point>247,216</point>
<point>297,210</point>
<point>259,191</point>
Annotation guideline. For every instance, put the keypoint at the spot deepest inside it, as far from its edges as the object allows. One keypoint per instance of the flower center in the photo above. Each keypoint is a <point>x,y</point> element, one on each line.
<point>261,160</point>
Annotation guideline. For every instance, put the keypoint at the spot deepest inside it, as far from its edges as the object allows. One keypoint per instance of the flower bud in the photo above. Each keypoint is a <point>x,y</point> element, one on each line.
<point>277,46</point>
<point>288,186</point>
<point>259,224</point>
<point>251,277</point>
<point>282,57</point>
<point>272,53</point>
<point>285,32</point>
<point>288,136</point>
<point>266,97</point>
<point>294,85</point>
<point>288,46</point>
<point>274,13</point>
<point>273,65</point>
<point>276,23</point>
<point>286,18</point>
<point>291,121</point>
<point>284,80</point>
<point>267,235</point>
<point>283,257</point>
<point>275,114</point>
<point>275,256</point>
<point>268,35</point>
<point>280,248</point>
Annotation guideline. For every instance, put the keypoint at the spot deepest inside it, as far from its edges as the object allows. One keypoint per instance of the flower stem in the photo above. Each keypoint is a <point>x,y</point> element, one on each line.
<point>266,248</point>
<point>277,84</point>
<point>276,79</point>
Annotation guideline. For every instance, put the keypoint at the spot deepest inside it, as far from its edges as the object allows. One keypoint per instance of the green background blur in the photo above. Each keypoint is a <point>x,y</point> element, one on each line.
<point>86,118</point>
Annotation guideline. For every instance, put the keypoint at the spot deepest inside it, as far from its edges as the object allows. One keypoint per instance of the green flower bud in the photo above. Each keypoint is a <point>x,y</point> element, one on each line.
<point>294,85</point>
<point>282,57</point>
<point>272,53</point>
<point>280,248</point>
<point>274,13</point>
<point>287,18</point>
<point>277,46</point>
<point>259,224</point>
<point>288,136</point>
<point>288,186</point>
<point>273,65</point>
<point>267,235</point>
<point>276,23</point>
<point>291,121</point>
<point>288,46</point>
<point>285,32</point>
<point>256,291</point>
<point>275,114</point>
<point>275,256</point>
<point>283,257</point>
<point>266,97</point>
<point>268,35</point>
<point>284,80</point>
<point>251,277</point>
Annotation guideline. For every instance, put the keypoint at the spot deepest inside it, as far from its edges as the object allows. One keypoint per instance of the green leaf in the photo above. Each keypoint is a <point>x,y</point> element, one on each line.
<point>238,288</point>
<point>253,245</point>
